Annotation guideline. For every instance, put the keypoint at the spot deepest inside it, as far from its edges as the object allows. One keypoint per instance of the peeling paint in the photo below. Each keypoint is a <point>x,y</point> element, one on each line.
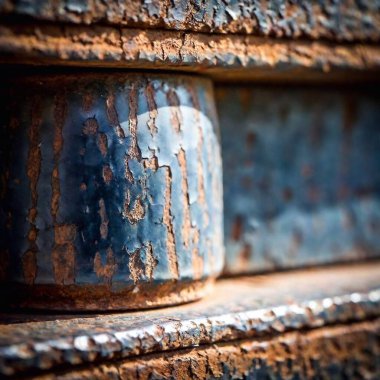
<point>109,191</point>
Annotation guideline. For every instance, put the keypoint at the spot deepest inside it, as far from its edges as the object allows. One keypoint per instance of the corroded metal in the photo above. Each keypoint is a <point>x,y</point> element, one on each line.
<point>251,308</point>
<point>232,57</point>
<point>301,176</point>
<point>334,20</point>
<point>111,191</point>
<point>344,352</point>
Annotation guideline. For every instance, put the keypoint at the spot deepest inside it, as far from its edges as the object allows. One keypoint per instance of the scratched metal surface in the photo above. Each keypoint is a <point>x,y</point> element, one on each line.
<point>334,20</point>
<point>252,308</point>
<point>109,180</point>
<point>301,175</point>
<point>342,352</point>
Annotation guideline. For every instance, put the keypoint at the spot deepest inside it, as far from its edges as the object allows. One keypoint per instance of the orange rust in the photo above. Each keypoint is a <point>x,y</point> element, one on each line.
<point>29,266</point>
<point>151,262</point>
<point>167,220</point>
<point>60,111</point>
<point>128,174</point>
<point>255,58</point>
<point>102,143</point>
<point>29,259</point>
<point>150,163</point>
<point>134,150</point>
<point>91,126</point>
<point>87,101</point>
<point>63,257</point>
<point>137,212</point>
<point>176,117</point>
<point>101,297</point>
<point>108,270</point>
<point>136,266</point>
<point>64,233</point>
<point>63,254</point>
<point>103,219</point>
<point>149,93</point>
<point>107,174</point>
<point>112,115</point>
<point>342,350</point>
<point>186,226</point>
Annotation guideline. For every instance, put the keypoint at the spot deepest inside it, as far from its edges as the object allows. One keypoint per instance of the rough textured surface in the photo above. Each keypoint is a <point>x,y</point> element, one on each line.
<point>301,175</point>
<point>334,20</point>
<point>111,190</point>
<point>222,57</point>
<point>344,352</point>
<point>251,308</point>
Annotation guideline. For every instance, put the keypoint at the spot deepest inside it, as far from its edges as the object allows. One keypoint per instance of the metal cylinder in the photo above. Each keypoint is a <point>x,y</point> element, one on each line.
<point>111,194</point>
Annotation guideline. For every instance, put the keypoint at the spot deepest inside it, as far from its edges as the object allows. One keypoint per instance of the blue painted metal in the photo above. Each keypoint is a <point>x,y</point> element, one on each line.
<point>111,180</point>
<point>301,176</point>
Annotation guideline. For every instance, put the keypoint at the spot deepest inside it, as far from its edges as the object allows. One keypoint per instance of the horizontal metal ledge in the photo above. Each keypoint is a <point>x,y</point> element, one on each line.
<point>344,351</point>
<point>348,20</point>
<point>223,57</point>
<point>239,308</point>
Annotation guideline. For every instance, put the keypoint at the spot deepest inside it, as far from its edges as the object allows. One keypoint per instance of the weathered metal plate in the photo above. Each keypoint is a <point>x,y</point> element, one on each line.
<point>252,308</point>
<point>334,20</point>
<point>111,191</point>
<point>232,57</point>
<point>301,175</point>
<point>344,352</point>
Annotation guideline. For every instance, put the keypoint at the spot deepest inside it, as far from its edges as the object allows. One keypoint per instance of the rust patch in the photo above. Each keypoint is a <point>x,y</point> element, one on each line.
<point>151,262</point>
<point>59,119</point>
<point>112,115</point>
<point>102,144</point>
<point>167,220</point>
<point>136,266</point>
<point>29,266</point>
<point>87,101</point>
<point>29,259</point>
<point>197,259</point>
<point>64,233</point>
<point>176,117</point>
<point>63,254</point>
<point>90,127</point>
<point>152,106</point>
<point>103,219</point>
<point>134,150</point>
<point>137,212</point>
<point>150,163</point>
<point>63,257</point>
<point>128,174</point>
<point>107,174</point>
<point>108,270</point>
<point>186,226</point>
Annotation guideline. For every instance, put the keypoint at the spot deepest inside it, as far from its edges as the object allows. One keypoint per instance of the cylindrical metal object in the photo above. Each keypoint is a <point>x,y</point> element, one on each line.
<point>111,193</point>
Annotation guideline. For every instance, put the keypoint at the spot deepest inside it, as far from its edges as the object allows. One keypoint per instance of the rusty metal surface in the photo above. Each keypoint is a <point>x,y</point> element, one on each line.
<point>343,352</point>
<point>252,308</point>
<point>232,57</point>
<point>111,191</point>
<point>333,20</point>
<point>301,175</point>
